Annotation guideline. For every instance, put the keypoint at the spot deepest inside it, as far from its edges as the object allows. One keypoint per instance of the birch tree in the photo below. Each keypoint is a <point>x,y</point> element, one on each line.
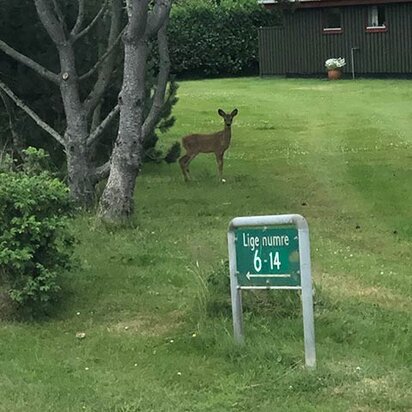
<point>79,106</point>
<point>146,20</point>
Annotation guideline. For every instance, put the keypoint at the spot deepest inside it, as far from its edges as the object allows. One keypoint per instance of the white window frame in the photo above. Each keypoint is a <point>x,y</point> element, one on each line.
<point>334,29</point>
<point>373,17</point>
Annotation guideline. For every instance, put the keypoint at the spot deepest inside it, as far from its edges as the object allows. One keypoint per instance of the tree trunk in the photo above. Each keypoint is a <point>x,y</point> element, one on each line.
<point>116,204</point>
<point>80,175</point>
<point>79,171</point>
<point>144,21</point>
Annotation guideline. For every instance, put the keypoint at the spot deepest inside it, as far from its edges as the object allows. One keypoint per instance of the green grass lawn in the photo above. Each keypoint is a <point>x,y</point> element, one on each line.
<point>339,153</point>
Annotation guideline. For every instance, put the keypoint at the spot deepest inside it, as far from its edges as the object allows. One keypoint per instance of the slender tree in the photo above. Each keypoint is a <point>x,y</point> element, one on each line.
<point>17,143</point>
<point>146,19</point>
<point>80,107</point>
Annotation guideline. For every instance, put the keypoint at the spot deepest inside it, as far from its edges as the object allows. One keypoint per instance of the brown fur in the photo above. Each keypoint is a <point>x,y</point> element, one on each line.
<point>216,143</point>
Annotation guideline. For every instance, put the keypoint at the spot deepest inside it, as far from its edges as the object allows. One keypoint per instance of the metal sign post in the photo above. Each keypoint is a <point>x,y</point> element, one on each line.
<point>271,252</point>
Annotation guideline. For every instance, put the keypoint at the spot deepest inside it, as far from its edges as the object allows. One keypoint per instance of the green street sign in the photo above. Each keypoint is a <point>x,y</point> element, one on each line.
<point>267,256</point>
<point>271,252</point>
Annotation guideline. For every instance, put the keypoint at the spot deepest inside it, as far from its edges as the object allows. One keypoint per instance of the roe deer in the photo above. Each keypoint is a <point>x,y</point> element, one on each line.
<point>216,143</point>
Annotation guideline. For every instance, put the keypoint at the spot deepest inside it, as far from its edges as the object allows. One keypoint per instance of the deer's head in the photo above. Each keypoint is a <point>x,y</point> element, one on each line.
<point>228,118</point>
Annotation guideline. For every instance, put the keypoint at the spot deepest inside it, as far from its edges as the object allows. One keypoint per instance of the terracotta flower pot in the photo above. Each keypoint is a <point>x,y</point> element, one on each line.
<point>334,74</point>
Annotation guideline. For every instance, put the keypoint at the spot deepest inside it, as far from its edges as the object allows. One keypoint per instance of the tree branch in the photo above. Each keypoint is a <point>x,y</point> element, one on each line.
<point>101,128</point>
<point>108,52</point>
<point>107,60</point>
<point>21,58</point>
<point>79,35</point>
<point>137,13</point>
<point>79,21</point>
<point>129,8</point>
<point>102,172</point>
<point>59,14</point>
<point>158,16</point>
<point>32,114</point>
<point>53,26</point>
<point>162,79</point>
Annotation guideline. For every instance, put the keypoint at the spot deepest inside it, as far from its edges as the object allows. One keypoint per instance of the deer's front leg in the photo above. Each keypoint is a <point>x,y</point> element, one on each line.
<point>219,160</point>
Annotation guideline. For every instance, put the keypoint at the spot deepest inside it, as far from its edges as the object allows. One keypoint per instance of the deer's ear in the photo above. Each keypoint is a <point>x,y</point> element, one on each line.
<point>221,112</point>
<point>234,113</point>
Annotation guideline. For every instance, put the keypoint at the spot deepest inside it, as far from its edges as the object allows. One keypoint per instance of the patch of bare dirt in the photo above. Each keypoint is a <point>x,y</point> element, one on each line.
<point>149,325</point>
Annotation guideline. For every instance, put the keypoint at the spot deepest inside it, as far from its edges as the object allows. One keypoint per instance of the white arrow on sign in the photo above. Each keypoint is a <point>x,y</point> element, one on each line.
<point>250,276</point>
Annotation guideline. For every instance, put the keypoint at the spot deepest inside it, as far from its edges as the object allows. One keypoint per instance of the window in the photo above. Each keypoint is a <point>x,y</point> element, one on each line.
<point>332,21</point>
<point>376,17</point>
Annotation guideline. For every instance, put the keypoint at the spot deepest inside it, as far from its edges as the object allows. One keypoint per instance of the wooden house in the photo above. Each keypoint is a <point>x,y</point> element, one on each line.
<point>374,36</point>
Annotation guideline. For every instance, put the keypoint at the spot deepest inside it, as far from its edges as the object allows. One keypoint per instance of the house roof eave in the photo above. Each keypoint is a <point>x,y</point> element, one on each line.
<point>327,3</point>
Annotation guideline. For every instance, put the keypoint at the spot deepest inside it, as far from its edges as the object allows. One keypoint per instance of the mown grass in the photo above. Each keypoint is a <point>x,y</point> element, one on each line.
<point>337,152</point>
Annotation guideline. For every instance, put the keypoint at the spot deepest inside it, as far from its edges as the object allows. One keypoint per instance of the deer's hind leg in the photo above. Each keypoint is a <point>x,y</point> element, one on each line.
<point>184,164</point>
<point>183,161</point>
<point>191,157</point>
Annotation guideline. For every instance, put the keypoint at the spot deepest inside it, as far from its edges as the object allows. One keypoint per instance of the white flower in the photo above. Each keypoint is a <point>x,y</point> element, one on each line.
<point>335,63</point>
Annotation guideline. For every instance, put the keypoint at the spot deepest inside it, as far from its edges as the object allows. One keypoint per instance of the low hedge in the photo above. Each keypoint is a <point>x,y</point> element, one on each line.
<point>210,40</point>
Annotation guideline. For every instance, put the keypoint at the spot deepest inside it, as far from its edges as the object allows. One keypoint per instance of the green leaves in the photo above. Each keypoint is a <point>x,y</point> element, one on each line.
<point>209,40</point>
<point>35,243</point>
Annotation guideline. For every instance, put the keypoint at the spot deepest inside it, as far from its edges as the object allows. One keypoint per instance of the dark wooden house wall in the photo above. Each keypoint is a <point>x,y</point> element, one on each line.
<point>301,47</point>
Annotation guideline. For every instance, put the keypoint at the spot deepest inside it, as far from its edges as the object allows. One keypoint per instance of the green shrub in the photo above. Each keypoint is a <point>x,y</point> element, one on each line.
<point>35,243</point>
<point>210,40</point>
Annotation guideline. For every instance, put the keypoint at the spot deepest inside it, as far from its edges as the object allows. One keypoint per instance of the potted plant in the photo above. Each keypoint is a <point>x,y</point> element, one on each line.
<point>334,67</point>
